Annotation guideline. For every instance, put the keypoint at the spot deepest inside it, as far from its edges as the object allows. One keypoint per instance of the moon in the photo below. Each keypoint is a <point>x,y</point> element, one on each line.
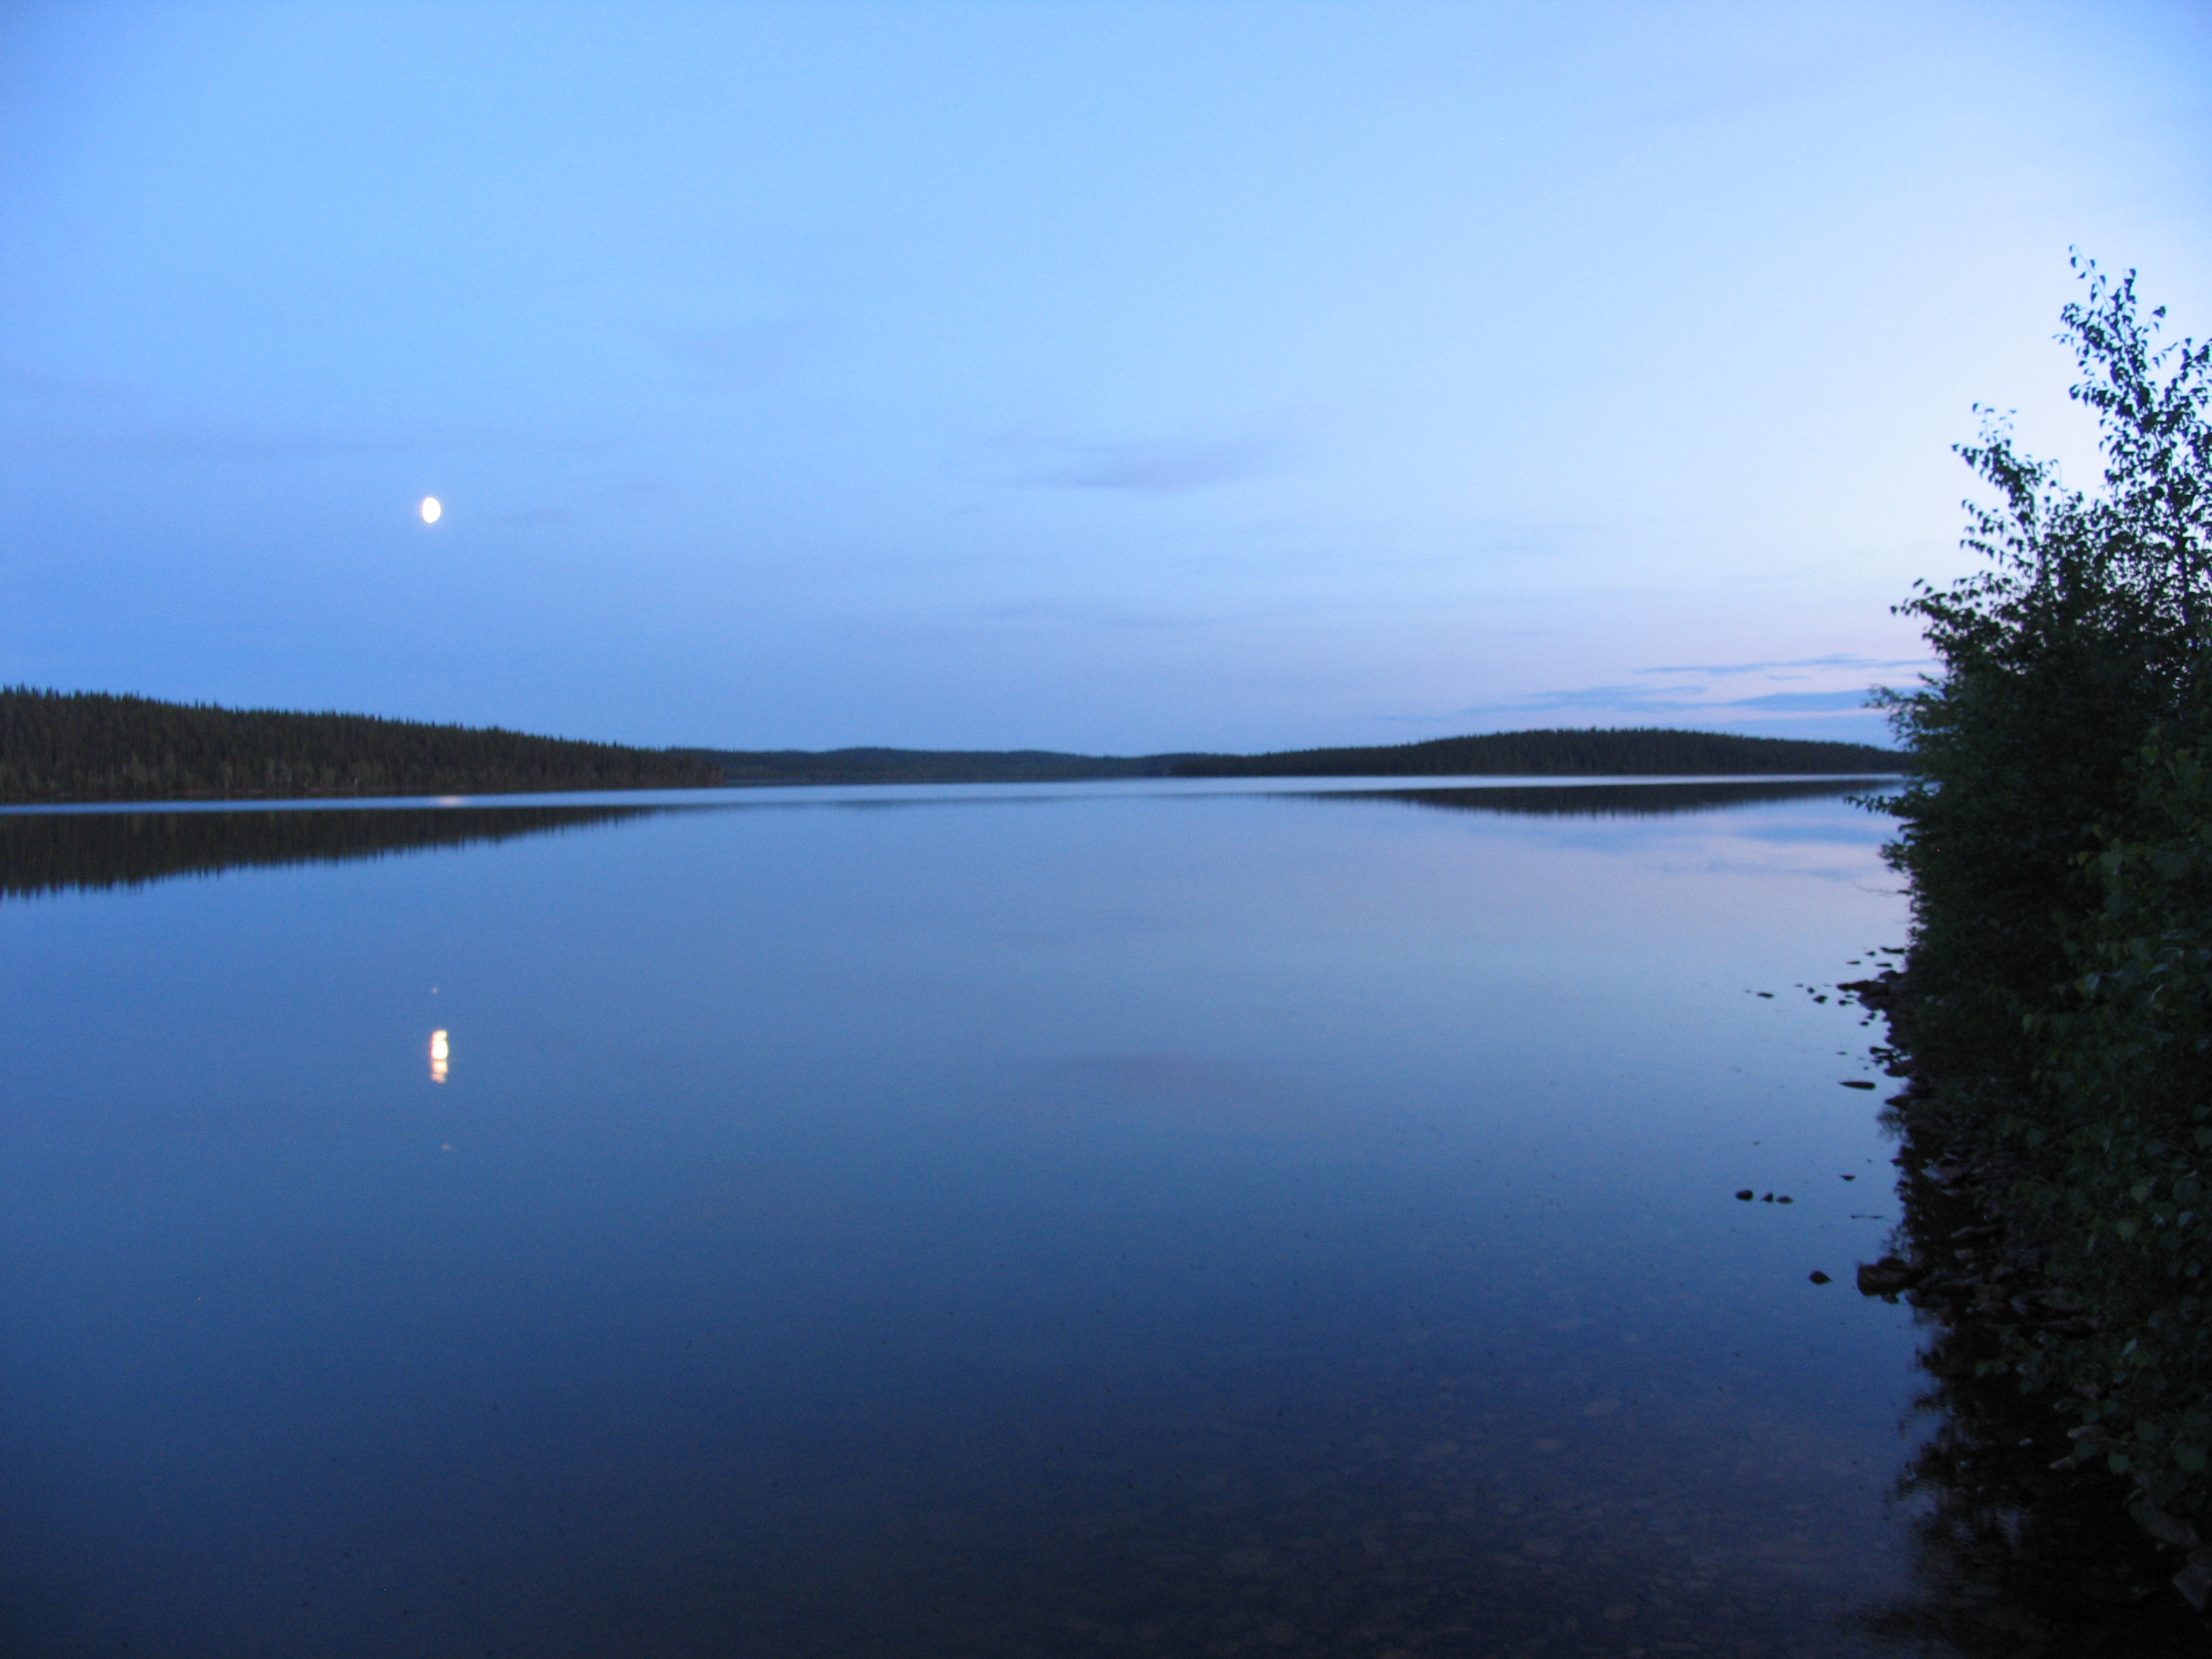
<point>433,509</point>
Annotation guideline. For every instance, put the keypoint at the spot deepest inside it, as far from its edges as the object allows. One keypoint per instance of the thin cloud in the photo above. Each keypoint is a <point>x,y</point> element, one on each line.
<point>750,355</point>
<point>1633,700</point>
<point>1779,87</point>
<point>1840,660</point>
<point>1799,702</point>
<point>1615,697</point>
<point>1162,467</point>
<point>1075,613</point>
<point>240,443</point>
<point>45,383</point>
<point>1033,457</point>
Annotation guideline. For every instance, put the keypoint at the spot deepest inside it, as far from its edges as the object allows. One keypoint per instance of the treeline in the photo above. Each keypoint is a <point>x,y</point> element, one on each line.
<point>2054,1016</point>
<point>1638,751</point>
<point>1653,751</point>
<point>765,766</point>
<point>90,746</point>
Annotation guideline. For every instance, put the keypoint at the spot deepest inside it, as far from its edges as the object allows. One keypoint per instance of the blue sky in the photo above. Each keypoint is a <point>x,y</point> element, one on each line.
<point>1082,375</point>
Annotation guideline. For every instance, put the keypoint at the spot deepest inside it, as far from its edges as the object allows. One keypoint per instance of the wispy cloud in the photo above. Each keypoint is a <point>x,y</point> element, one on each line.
<point>1162,467</point>
<point>1637,700</point>
<point>268,443</point>
<point>1615,697</point>
<point>1076,613</point>
<point>1156,466</point>
<point>1777,86</point>
<point>744,355</point>
<point>1799,702</point>
<point>1840,660</point>
<point>39,382</point>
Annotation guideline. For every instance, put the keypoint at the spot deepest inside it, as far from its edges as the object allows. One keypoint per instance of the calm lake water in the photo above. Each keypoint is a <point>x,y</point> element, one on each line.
<point>1123,1218</point>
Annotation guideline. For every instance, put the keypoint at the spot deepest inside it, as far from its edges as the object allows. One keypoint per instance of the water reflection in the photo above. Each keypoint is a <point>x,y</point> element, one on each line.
<point>55,852</point>
<point>1618,800</point>
<point>2014,1559</point>
<point>1223,1228</point>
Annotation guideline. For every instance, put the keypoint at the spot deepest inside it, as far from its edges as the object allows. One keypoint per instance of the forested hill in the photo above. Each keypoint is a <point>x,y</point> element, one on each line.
<point>932,765</point>
<point>1641,751</point>
<point>89,746</point>
<point>86,746</point>
<point>1646,753</point>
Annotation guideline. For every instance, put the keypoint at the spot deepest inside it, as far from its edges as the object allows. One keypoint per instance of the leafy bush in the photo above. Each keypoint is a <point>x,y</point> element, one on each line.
<point>2058,838</point>
<point>2122,1143</point>
<point>2086,631</point>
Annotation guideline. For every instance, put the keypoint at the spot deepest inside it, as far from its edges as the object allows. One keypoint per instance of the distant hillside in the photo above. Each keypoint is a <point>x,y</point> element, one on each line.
<point>1640,751</point>
<point>930,765</point>
<point>1653,752</point>
<point>87,745</point>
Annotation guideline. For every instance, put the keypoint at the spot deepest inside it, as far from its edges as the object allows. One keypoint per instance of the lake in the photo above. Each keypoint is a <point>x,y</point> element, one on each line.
<point>1144,1218</point>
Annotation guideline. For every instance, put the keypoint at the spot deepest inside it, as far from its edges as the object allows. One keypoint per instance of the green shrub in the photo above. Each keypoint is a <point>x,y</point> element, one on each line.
<point>2057,835</point>
<point>2124,1138</point>
<point>2086,630</point>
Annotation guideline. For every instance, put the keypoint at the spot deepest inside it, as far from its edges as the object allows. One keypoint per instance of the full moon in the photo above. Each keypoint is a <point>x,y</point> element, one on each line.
<point>432,511</point>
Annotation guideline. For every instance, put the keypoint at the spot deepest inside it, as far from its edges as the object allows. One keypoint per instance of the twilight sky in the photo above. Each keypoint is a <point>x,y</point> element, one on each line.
<point>1083,375</point>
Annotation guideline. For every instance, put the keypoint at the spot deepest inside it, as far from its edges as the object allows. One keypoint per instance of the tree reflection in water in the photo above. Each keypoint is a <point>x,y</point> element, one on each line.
<point>2016,1560</point>
<point>48,852</point>
<point>58,852</point>
<point>1572,799</point>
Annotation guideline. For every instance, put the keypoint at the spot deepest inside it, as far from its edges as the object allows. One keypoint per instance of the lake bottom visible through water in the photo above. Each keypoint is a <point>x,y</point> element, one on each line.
<point>995,1222</point>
